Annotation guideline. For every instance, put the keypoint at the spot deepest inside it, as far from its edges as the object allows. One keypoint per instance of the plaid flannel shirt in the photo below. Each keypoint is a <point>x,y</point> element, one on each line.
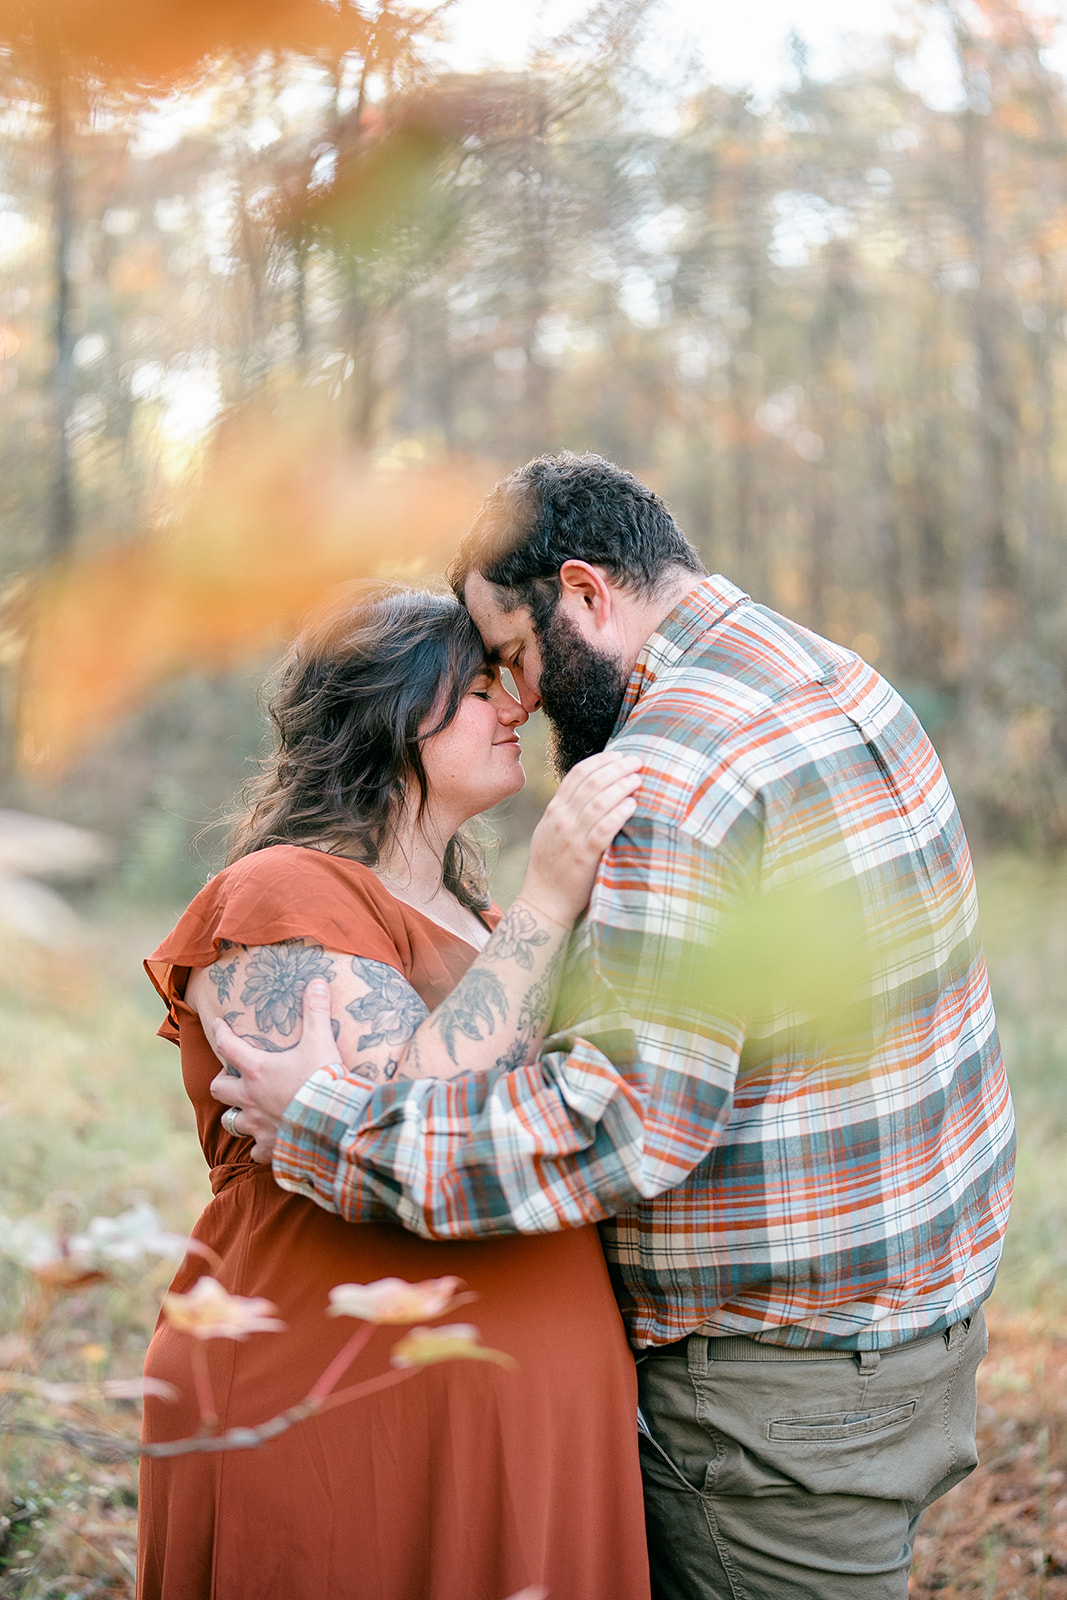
<point>774,1076</point>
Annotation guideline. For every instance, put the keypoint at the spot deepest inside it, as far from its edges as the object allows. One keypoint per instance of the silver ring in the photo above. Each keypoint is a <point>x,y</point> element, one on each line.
<point>229,1119</point>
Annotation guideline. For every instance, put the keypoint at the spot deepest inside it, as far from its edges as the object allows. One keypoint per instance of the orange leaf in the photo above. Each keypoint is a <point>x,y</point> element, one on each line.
<point>155,43</point>
<point>281,519</point>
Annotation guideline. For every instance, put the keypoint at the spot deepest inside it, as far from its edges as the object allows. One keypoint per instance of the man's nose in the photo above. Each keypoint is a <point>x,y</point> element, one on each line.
<point>528,696</point>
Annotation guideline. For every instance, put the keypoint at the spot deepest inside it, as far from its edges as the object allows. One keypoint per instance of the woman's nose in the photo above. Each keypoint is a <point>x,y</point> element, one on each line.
<point>510,712</point>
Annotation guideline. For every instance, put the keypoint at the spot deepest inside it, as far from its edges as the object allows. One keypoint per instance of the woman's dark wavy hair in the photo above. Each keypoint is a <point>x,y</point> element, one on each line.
<point>349,700</point>
<point>570,507</point>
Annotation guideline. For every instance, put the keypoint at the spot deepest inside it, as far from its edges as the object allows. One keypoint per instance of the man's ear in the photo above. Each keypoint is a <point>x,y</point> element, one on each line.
<point>586,592</point>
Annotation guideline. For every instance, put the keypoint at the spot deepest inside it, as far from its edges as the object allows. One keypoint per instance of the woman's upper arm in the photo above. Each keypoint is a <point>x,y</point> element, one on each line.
<point>259,991</point>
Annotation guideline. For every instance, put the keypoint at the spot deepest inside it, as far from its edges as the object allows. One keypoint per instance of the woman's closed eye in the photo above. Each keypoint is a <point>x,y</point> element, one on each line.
<point>486,684</point>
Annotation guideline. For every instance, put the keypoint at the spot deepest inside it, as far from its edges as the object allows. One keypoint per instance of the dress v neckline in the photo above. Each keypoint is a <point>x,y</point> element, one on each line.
<point>426,917</point>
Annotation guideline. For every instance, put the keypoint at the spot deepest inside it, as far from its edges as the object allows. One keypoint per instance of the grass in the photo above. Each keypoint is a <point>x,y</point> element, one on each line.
<point>1002,1535</point>
<point>93,1118</point>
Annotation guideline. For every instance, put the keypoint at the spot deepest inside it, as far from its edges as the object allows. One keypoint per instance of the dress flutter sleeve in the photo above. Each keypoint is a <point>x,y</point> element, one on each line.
<point>284,892</point>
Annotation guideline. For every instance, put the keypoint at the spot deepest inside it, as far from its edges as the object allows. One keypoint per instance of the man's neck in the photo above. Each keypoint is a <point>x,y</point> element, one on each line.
<point>641,617</point>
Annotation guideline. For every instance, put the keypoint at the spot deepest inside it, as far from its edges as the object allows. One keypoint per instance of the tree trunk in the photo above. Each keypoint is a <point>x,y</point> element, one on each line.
<point>60,526</point>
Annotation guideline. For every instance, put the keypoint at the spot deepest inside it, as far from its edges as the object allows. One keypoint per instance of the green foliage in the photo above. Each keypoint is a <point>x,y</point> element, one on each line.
<point>93,1103</point>
<point>157,864</point>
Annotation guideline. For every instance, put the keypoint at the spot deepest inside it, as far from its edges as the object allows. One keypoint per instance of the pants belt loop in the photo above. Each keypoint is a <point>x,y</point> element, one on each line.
<point>867,1360</point>
<point>697,1354</point>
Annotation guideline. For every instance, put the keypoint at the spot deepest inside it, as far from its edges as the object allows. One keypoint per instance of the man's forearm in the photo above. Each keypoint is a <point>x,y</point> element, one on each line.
<point>307,1155</point>
<point>559,1143</point>
<point>619,1107</point>
<point>459,1159</point>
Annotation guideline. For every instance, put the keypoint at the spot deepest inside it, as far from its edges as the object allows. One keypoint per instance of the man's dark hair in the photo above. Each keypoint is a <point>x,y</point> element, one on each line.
<point>563,508</point>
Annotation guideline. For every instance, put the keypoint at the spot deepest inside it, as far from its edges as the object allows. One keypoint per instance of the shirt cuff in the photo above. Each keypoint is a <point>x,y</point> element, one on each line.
<point>318,1119</point>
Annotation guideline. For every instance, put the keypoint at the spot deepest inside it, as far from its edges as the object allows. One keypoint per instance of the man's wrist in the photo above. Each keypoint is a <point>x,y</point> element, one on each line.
<point>308,1155</point>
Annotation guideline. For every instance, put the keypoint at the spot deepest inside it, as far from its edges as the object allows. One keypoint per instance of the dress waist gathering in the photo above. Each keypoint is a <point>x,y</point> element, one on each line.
<point>228,1173</point>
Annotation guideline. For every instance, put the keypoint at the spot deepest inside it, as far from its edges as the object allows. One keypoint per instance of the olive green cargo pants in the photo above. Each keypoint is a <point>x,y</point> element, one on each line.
<point>800,1475</point>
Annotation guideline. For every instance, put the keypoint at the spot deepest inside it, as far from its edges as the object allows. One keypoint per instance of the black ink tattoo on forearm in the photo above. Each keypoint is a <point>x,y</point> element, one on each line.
<point>276,978</point>
<point>515,938</point>
<point>517,1054</point>
<point>540,997</point>
<point>469,1009</point>
<point>534,1013</point>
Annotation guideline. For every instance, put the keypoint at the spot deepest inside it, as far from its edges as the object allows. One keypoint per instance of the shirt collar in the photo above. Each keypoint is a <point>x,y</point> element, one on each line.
<point>690,620</point>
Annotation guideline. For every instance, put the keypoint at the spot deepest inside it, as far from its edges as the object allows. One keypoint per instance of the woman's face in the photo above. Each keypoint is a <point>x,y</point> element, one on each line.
<point>475,762</point>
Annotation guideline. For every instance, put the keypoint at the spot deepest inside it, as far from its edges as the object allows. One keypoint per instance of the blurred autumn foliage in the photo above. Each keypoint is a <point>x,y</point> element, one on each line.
<point>277,523</point>
<point>153,44</point>
<point>278,299</point>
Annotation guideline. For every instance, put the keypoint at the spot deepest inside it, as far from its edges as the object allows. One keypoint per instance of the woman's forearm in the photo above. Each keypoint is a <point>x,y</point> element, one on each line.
<point>498,1013</point>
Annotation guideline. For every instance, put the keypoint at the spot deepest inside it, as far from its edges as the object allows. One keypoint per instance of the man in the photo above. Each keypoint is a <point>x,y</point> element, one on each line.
<point>774,1078</point>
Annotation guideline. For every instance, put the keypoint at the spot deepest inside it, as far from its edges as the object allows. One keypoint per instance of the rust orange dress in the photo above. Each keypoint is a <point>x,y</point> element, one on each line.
<point>464,1482</point>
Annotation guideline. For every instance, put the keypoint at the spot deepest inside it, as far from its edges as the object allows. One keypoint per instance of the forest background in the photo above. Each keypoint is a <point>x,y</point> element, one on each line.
<point>280,298</point>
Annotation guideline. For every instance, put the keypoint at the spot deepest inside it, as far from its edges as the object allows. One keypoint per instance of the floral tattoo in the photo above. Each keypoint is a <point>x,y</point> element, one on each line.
<point>539,999</point>
<point>222,974</point>
<point>390,1009</point>
<point>277,976</point>
<point>517,935</point>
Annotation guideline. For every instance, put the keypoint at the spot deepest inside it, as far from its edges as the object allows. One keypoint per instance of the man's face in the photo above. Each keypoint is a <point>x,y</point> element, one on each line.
<point>509,637</point>
<point>580,688</point>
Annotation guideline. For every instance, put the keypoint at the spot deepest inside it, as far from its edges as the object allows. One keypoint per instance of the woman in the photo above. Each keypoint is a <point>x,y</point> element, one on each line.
<point>468,1482</point>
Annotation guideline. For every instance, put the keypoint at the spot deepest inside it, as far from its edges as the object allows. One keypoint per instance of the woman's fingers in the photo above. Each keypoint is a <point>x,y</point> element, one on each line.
<point>594,772</point>
<point>596,782</point>
<point>599,801</point>
<point>608,824</point>
<point>598,790</point>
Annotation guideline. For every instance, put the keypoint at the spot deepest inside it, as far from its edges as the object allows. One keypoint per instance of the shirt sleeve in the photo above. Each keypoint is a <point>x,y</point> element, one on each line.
<point>631,1091</point>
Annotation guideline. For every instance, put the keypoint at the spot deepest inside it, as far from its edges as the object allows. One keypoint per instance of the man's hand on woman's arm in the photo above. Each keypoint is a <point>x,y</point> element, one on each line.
<point>496,1016</point>
<point>269,1080</point>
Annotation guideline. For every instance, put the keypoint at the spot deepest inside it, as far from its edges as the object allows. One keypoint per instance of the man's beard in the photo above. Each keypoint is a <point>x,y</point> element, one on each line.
<point>581,692</point>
